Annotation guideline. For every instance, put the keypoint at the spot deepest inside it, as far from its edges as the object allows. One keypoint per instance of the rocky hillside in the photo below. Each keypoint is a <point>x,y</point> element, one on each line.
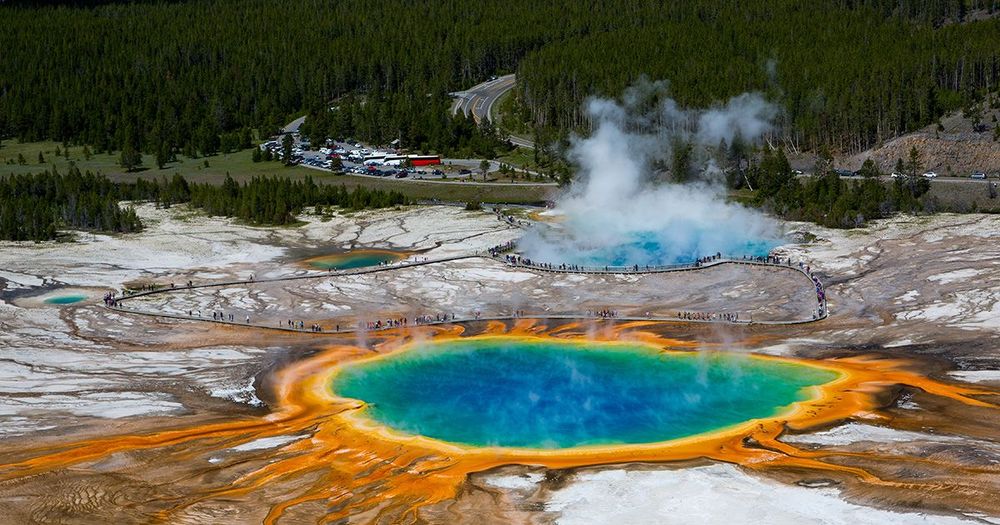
<point>956,146</point>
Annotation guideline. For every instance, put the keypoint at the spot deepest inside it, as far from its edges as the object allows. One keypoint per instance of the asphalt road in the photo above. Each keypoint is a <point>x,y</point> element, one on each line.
<point>293,126</point>
<point>479,100</point>
<point>939,178</point>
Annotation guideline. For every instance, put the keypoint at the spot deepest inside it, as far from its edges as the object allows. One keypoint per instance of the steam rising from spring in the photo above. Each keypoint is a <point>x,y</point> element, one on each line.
<point>622,210</point>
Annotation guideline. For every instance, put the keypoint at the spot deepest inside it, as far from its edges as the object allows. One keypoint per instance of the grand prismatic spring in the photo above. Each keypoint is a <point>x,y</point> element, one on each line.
<point>546,393</point>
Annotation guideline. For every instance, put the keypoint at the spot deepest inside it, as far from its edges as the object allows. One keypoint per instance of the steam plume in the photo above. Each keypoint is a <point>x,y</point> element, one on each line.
<point>621,210</point>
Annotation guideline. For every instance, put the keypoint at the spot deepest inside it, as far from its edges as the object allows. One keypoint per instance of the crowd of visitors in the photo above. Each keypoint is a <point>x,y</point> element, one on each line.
<point>502,248</point>
<point>437,318</point>
<point>709,316</point>
<point>510,219</point>
<point>402,322</point>
<point>300,325</point>
<point>768,259</point>
<point>514,259</point>
<point>820,294</point>
<point>111,299</point>
<point>705,260</point>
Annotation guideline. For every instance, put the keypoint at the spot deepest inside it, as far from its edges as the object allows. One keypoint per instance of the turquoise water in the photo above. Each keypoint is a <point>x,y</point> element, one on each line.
<point>349,260</point>
<point>66,299</point>
<point>512,392</point>
<point>649,250</point>
<point>652,249</point>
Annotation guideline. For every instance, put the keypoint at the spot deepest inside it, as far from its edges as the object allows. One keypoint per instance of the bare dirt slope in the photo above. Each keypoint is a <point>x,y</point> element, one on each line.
<point>957,147</point>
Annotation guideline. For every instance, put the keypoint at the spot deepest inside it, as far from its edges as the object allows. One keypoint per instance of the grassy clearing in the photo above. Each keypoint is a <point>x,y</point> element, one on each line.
<point>520,157</point>
<point>242,168</point>
<point>742,196</point>
<point>240,164</point>
<point>524,159</point>
<point>514,193</point>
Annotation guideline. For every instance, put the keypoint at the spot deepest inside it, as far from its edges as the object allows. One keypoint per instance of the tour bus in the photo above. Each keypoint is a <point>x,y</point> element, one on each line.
<point>394,160</point>
<point>423,160</point>
<point>374,159</point>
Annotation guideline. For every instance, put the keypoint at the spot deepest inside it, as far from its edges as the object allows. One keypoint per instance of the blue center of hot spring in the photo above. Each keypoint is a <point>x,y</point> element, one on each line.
<point>65,299</point>
<point>652,249</point>
<point>648,249</point>
<point>352,260</point>
<point>528,393</point>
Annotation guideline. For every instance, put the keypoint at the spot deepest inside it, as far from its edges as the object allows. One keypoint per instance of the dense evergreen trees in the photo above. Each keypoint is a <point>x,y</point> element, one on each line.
<point>826,198</point>
<point>182,75</point>
<point>35,207</point>
<point>276,201</point>
<point>848,73</point>
<point>196,76</point>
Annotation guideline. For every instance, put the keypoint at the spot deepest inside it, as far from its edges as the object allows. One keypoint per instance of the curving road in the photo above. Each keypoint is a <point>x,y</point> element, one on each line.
<point>479,100</point>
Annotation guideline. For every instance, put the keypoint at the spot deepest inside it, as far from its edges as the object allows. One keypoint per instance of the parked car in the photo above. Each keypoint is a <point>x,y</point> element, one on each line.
<point>930,175</point>
<point>401,175</point>
<point>465,172</point>
<point>978,175</point>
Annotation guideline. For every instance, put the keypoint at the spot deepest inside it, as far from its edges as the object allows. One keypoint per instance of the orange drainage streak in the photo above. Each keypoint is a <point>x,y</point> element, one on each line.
<point>364,466</point>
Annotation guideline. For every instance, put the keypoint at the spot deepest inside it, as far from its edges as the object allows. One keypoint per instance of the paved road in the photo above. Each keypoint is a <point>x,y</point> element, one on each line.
<point>433,179</point>
<point>293,126</point>
<point>479,100</point>
<point>935,180</point>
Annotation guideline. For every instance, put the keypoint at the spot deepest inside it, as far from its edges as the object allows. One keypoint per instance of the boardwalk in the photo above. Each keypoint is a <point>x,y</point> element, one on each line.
<point>355,325</point>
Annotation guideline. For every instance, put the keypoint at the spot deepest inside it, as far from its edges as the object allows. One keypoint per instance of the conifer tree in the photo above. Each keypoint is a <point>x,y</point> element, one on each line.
<point>130,158</point>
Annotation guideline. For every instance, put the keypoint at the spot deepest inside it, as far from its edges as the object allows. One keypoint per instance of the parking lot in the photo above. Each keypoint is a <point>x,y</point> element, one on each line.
<point>355,158</point>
